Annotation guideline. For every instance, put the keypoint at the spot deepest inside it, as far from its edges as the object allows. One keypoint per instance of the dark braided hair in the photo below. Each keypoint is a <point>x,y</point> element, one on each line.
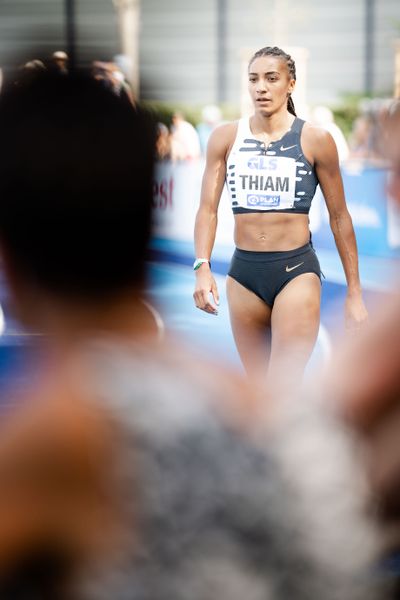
<point>279,53</point>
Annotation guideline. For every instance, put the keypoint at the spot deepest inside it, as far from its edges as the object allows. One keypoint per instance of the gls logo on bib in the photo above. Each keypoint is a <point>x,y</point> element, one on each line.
<point>262,163</point>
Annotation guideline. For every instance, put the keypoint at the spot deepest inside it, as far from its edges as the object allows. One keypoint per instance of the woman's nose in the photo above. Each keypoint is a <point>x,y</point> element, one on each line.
<point>261,86</point>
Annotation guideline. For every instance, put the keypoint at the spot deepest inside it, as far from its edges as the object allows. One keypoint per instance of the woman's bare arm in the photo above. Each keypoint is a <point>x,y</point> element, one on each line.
<point>326,164</point>
<point>207,215</point>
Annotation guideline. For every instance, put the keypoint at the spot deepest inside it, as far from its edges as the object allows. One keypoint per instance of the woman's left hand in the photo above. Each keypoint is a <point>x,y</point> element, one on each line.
<point>356,315</point>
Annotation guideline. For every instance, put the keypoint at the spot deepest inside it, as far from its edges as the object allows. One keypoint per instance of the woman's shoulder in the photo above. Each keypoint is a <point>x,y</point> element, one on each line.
<point>316,141</point>
<point>316,134</point>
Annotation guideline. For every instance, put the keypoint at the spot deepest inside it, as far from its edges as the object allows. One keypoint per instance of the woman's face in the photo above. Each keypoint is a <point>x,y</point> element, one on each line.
<point>269,84</point>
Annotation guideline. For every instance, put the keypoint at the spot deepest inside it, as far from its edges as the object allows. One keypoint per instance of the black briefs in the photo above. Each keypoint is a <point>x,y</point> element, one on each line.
<point>266,273</point>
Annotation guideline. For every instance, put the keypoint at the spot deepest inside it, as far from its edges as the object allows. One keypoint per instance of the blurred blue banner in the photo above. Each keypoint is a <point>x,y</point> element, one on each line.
<point>375,217</point>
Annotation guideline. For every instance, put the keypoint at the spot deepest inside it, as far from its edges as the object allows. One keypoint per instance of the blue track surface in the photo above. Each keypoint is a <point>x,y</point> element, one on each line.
<point>170,288</point>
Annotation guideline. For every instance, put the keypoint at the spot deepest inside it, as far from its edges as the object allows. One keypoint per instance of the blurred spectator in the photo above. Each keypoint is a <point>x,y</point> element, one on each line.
<point>365,139</point>
<point>322,116</point>
<point>112,77</point>
<point>101,72</point>
<point>128,470</point>
<point>360,139</point>
<point>58,502</point>
<point>163,142</point>
<point>364,386</point>
<point>35,65</point>
<point>30,70</point>
<point>211,117</point>
<point>59,62</point>
<point>121,86</point>
<point>221,517</point>
<point>185,143</point>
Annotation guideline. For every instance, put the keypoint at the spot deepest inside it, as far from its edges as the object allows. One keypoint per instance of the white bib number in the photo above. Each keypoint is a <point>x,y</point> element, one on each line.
<point>265,182</point>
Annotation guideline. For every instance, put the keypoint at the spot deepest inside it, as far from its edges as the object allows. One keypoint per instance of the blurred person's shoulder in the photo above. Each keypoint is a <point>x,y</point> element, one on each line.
<point>362,377</point>
<point>104,379</point>
<point>168,381</point>
<point>251,480</point>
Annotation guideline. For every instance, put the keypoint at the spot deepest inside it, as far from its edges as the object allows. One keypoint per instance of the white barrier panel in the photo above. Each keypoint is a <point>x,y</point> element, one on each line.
<point>176,200</point>
<point>376,221</point>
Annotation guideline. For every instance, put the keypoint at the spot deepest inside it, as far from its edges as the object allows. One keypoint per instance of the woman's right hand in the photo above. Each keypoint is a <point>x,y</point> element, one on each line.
<point>206,285</point>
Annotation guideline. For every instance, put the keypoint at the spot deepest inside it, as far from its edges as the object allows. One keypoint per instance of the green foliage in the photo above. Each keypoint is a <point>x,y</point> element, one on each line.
<point>345,117</point>
<point>164,111</point>
<point>396,24</point>
<point>350,108</point>
<point>230,112</point>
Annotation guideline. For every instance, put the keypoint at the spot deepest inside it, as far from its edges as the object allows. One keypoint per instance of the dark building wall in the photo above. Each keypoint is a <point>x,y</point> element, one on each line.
<point>178,45</point>
<point>36,28</point>
<point>177,50</point>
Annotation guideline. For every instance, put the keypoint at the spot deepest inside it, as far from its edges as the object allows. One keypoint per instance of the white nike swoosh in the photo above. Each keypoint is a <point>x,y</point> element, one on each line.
<point>288,269</point>
<point>288,148</point>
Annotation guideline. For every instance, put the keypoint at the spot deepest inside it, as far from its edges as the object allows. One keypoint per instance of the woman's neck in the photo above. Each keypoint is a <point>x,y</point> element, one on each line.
<point>274,125</point>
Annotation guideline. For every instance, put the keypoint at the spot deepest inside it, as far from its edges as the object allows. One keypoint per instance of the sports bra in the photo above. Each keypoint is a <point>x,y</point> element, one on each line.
<point>275,178</point>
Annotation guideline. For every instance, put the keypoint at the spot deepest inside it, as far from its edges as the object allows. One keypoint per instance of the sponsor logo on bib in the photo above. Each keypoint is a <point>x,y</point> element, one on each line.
<point>263,200</point>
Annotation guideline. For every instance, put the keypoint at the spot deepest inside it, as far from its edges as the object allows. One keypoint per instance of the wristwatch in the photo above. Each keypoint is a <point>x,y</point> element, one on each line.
<point>199,261</point>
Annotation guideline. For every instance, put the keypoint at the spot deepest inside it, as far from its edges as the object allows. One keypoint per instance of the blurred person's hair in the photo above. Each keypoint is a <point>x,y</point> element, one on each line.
<point>59,55</point>
<point>394,109</point>
<point>388,134</point>
<point>35,64</point>
<point>76,170</point>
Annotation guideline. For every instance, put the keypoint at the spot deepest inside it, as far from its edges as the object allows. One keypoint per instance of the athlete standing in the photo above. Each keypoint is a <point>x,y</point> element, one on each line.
<point>272,163</point>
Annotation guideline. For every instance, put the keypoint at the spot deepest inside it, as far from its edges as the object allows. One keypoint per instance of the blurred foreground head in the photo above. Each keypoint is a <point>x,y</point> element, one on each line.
<point>365,377</point>
<point>392,149</point>
<point>76,167</point>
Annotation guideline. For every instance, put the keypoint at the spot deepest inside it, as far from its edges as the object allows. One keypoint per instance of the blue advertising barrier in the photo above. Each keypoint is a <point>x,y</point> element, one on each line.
<point>375,217</point>
<point>376,222</point>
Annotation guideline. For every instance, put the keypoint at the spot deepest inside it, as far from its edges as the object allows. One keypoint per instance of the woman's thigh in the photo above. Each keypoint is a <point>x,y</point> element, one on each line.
<point>294,323</point>
<point>250,321</point>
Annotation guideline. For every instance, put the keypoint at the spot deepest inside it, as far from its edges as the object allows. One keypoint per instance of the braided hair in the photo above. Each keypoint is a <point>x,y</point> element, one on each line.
<point>279,53</point>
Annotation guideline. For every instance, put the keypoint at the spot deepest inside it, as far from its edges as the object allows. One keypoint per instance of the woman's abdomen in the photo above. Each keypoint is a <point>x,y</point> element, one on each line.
<point>271,231</point>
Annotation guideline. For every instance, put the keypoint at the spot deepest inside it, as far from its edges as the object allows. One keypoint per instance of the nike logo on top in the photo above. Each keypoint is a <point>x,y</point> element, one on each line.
<point>287,147</point>
<point>288,269</point>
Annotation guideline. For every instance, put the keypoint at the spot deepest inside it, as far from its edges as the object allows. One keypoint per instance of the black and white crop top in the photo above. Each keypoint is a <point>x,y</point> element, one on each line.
<point>275,178</point>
